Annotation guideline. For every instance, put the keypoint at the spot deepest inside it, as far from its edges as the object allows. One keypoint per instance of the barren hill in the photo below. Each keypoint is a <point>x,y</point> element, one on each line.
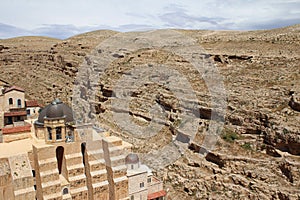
<point>257,155</point>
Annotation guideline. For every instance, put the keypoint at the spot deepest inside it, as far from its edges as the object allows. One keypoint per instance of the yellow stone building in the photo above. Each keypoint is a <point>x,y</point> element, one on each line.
<point>63,160</point>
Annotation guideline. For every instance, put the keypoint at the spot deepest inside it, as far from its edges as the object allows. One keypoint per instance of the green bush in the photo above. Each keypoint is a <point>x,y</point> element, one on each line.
<point>229,136</point>
<point>247,146</point>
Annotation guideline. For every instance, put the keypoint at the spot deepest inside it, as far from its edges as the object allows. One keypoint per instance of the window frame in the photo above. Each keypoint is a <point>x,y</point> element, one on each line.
<point>10,101</point>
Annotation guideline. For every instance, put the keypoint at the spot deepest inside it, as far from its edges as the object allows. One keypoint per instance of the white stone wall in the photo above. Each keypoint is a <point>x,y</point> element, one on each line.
<point>15,95</point>
<point>134,186</point>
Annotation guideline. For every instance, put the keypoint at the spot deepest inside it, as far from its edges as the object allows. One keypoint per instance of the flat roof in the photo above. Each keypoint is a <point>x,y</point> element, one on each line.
<point>17,147</point>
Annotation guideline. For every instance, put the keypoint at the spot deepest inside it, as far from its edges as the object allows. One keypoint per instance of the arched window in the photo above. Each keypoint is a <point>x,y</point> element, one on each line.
<point>10,101</point>
<point>49,133</point>
<point>65,191</point>
<point>58,133</point>
<point>19,103</point>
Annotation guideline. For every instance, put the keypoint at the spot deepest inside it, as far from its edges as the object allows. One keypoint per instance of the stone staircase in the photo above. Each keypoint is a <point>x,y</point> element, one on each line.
<point>114,154</point>
<point>96,170</point>
<point>47,176</point>
<point>76,175</point>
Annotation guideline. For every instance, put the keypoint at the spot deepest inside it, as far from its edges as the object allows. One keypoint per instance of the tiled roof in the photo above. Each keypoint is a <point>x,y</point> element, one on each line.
<point>155,195</point>
<point>14,88</point>
<point>17,129</point>
<point>32,103</point>
<point>15,113</point>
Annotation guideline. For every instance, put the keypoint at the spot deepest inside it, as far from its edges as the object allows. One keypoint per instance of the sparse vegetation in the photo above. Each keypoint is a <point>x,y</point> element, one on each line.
<point>246,146</point>
<point>229,135</point>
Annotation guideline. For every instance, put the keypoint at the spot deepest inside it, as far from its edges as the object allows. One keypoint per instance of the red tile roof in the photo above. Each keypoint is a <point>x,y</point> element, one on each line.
<point>14,88</point>
<point>155,195</point>
<point>32,103</point>
<point>17,129</point>
<point>15,113</point>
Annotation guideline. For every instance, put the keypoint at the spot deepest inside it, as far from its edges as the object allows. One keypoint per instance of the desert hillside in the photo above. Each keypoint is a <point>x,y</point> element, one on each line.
<point>258,153</point>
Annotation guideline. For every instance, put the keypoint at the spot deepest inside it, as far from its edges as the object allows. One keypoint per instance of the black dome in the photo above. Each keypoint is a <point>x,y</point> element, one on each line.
<point>132,159</point>
<point>56,109</point>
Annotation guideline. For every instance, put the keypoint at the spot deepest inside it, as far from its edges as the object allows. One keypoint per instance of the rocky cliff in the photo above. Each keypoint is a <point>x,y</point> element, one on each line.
<point>257,153</point>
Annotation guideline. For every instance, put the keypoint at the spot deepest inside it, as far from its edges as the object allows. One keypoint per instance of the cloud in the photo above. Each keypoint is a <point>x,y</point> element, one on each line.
<point>62,19</point>
<point>7,31</point>
<point>183,20</point>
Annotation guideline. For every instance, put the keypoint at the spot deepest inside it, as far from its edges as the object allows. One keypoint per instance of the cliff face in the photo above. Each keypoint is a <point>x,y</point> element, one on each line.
<point>257,155</point>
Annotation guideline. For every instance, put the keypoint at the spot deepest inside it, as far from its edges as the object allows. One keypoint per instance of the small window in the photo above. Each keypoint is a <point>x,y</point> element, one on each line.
<point>149,180</point>
<point>132,197</point>
<point>49,133</point>
<point>131,166</point>
<point>28,111</point>
<point>19,103</point>
<point>10,101</point>
<point>141,184</point>
<point>58,133</point>
<point>65,191</point>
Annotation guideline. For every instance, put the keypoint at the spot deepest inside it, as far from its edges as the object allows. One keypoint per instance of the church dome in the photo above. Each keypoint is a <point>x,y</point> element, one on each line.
<point>132,158</point>
<point>56,109</point>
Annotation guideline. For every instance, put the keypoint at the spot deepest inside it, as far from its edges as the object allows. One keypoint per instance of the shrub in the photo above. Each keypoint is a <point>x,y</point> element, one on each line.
<point>246,146</point>
<point>229,136</point>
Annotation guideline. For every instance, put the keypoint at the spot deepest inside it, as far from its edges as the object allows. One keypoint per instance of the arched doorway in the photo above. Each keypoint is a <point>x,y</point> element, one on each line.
<point>59,157</point>
<point>83,150</point>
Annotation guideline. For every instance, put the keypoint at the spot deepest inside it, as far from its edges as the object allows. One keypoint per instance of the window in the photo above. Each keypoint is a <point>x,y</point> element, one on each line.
<point>19,103</point>
<point>149,180</point>
<point>131,166</point>
<point>28,111</point>
<point>65,191</point>
<point>58,133</point>
<point>141,184</point>
<point>69,136</point>
<point>10,101</point>
<point>132,197</point>
<point>49,133</point>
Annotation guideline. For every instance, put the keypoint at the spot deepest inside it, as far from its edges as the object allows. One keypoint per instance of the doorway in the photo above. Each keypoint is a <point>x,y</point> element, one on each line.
<point>59,157</point>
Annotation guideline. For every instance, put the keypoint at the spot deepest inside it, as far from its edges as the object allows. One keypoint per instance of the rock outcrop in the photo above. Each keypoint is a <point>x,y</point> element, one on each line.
<point>257,155</point>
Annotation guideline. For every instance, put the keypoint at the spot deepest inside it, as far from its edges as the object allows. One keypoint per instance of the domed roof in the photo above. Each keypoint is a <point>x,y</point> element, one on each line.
<point>56,109</point>
<point>132,158</point>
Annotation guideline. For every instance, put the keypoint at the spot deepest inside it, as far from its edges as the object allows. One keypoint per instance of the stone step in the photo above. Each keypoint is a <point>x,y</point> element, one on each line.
<point>95,154</point>
<point>97,164</point>
<point>53,196</point>
<point>117,160</point>
<point>24,191</point>
<point>119,171</point>
<point>74,158</point>
<point>77,181</point>
<point>51,187</point>
<point>99,176</point>
<point>116,151</point>
<point>74,170</point>
<point>47,164</point>
<point>67,197</point>
<point>50,175</point>
<point>120,179</point>
<point>100,184</point>
<point>78,190</point>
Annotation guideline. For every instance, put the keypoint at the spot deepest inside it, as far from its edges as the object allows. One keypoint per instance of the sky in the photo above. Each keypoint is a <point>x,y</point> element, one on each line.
<point>65,18</point>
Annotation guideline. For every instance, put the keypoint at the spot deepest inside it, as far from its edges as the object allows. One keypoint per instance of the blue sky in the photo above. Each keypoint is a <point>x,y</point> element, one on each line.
<point>64,18</point>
